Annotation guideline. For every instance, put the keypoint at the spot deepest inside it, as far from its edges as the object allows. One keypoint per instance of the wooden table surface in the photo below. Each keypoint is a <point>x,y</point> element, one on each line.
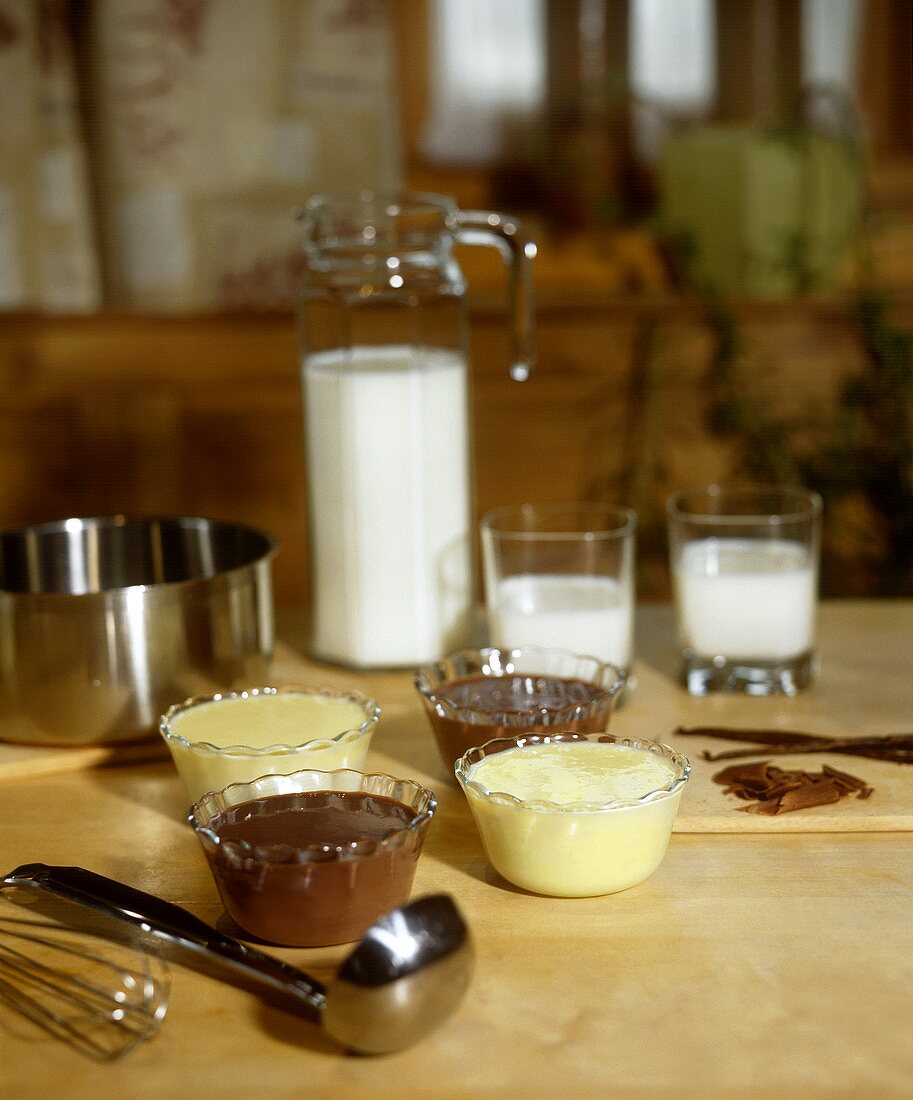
<point>771,964</point>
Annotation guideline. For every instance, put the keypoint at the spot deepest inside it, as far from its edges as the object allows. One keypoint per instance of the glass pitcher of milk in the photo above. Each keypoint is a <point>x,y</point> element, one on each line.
<point>385,379</point>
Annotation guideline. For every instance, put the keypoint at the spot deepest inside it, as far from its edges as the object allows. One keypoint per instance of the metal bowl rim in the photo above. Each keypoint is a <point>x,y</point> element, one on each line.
<point>122,520</point>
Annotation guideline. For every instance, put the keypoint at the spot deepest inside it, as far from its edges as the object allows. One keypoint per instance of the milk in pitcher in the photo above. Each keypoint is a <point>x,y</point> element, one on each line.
<point>389,492</point>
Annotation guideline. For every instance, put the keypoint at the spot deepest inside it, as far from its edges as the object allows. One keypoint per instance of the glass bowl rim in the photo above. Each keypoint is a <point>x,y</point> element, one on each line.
<point>465,713</point>
<point>543,805</point>
<point>368,706</point>
<point>356,849</point>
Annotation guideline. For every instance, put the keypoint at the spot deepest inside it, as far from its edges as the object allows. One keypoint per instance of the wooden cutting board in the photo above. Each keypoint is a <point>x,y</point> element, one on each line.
<point>706,809</point>
<point>864,687</point>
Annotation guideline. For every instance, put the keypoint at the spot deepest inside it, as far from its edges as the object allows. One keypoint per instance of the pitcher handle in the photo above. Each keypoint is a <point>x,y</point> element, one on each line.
<point>508,235</point>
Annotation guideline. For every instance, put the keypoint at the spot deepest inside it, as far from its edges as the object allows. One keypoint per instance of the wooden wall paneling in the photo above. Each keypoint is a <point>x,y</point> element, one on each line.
<point>203,415</point>
<point>544,439</point>
<point>128,439</point>
<point>886,79</point>
<point>39,472</point>
<point>178,416</point>
<point>246,462</point>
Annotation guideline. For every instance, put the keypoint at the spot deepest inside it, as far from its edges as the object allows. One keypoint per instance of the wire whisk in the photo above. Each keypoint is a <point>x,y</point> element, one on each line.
<point>101,998</point>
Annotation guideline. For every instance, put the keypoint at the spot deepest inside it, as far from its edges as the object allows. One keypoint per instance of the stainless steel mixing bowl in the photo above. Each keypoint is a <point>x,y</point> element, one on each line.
<point>105,622</point>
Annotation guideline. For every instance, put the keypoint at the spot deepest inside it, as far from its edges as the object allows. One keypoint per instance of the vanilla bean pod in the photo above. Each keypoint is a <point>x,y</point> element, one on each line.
<point>895,756</point>
<point>897,748</point>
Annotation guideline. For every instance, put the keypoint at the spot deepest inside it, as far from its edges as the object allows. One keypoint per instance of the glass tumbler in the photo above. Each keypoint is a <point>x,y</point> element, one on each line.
<point>745,578</point>
<point>561,576</point>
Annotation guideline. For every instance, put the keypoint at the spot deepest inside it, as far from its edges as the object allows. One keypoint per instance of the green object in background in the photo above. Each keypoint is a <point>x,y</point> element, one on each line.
<point>760,213</point>
<point>832,183</point>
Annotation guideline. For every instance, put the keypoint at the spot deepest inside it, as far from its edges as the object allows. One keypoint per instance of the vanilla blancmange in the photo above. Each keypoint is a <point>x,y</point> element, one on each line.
<point>574,772</point>
<point>260,721</point>
<point>236,738</point>
<point>570,851</point>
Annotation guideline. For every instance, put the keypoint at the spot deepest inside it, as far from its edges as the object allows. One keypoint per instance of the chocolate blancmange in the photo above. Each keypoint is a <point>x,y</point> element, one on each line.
<point>477,695</point>
<point>504,699</point>
<point>314,867</point>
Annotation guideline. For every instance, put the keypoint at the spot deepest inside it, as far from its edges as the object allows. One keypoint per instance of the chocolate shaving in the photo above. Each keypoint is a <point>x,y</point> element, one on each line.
<point>896,747</point>
<point>772,790</point>
<point>809,794</point>
<point>845,781</point>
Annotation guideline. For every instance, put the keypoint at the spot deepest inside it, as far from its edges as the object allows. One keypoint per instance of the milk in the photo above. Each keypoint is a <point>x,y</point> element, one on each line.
<point>747,598</point>
<point>388,485</point>
<point>585,614</point>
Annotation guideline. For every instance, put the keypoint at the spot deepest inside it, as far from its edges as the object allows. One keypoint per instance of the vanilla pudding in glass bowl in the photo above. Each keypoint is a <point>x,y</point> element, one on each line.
<point>574,815</point>
<point>238,736</point>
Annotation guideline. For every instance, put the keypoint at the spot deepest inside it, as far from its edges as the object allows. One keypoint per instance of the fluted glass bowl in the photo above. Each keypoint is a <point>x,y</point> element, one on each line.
<point>543,689</point>
<point>574,848</point>
<point>313,727</point>
<point>321,893</point>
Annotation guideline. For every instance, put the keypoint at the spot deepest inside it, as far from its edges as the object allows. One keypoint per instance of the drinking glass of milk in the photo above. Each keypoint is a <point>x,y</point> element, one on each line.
<point>745,580</point>
<point>561,576</point>
<point>385,379</point>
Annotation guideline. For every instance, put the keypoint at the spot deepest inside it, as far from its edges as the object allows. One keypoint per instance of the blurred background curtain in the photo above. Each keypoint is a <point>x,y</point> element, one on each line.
<point>487,75</point>
<point>206,122</point>
<point>151,151</point>
<point>48,256</point>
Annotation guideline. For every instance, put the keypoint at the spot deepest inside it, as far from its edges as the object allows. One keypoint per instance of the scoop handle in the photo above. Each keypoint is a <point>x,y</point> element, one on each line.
<point>171,922</point>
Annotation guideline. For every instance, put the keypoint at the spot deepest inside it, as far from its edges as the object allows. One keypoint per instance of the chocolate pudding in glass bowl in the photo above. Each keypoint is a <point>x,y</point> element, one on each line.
<point>313,858</point>
<point>476,695</point>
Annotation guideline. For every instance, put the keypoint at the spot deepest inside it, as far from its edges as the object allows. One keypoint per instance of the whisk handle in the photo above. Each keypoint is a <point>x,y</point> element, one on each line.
<point>164,918</point>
